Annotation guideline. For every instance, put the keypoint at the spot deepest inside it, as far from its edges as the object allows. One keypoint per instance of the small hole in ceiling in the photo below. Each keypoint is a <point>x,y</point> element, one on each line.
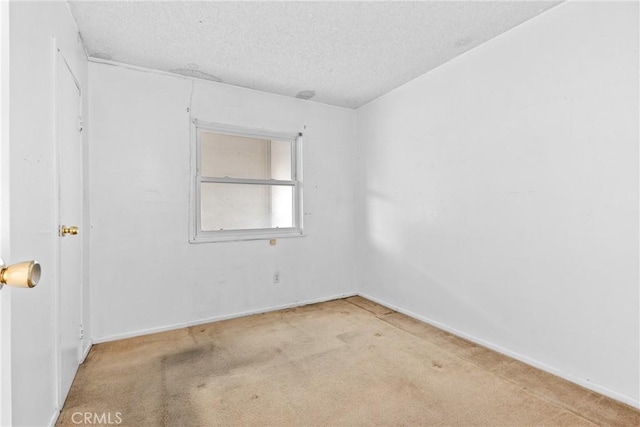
<point>306,94</point>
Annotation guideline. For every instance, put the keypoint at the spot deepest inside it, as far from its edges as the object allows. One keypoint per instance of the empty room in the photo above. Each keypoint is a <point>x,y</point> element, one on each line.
<point>319,213</point>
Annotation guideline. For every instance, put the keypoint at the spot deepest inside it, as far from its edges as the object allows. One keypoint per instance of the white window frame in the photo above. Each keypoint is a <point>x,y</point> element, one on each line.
<point>196,234</point>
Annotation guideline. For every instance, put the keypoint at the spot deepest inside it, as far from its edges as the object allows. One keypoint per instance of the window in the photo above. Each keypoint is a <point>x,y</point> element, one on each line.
<point>247,184</point>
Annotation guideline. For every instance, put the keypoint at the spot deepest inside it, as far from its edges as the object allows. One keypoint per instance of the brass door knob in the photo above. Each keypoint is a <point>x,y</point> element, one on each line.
<point>72,230</point>
<point>21,275</point>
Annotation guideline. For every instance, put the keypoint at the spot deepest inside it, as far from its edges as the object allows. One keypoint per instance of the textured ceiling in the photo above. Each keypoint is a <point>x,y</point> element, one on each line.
<point>339,53</point>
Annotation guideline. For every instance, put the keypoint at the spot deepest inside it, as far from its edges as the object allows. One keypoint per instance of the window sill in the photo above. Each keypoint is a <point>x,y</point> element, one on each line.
<point>240,236</point>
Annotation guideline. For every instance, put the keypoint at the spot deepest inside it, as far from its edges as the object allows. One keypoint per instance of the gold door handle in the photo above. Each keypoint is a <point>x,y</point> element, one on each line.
<point>21,275</point>
<point>72,230</point>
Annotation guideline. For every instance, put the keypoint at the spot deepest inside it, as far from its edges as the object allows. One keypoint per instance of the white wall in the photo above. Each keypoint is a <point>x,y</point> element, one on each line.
<point>499,195</point>
<point>145,275</point>
<point>33,26</point>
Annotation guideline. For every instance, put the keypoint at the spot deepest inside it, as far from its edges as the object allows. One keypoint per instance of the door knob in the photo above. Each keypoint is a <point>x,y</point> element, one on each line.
<point>72,230</point>
<point>21,275</point>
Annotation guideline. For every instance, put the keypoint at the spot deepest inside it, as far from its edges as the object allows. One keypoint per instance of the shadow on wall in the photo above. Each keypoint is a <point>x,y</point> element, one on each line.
<point>461,279</point>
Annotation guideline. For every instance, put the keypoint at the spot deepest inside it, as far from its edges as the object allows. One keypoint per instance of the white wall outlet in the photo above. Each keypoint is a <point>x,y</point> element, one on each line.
<point>276,277</point>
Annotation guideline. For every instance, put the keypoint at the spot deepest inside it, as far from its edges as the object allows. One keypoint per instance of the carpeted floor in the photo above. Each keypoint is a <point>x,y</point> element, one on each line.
<point>341,363</point>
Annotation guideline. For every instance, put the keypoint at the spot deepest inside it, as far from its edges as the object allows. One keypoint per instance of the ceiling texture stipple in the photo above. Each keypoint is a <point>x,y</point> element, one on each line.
<point>342,53</point>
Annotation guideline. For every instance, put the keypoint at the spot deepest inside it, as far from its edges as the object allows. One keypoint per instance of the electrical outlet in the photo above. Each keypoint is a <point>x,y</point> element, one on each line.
<point>276,277</point>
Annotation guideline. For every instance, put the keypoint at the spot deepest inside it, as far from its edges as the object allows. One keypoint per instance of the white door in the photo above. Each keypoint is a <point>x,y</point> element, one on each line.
<point>5,302</point>
<point>69,112</point>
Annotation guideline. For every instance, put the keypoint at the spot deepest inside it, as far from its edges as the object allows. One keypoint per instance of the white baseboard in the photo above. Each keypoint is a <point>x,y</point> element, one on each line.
<point>525,359</point>
<point>215,319</point>
<point>54,418</point>
<point>85,351</point>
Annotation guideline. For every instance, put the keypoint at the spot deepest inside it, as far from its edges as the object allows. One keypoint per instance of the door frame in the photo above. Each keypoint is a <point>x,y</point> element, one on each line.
<point>59,62</point>
<point>5,297</point>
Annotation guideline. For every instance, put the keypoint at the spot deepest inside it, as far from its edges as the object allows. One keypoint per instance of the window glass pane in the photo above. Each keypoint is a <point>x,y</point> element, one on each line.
<point>245,206</point>
<point>281,160</point>
<point>243,157</point>
<point>281,206</point>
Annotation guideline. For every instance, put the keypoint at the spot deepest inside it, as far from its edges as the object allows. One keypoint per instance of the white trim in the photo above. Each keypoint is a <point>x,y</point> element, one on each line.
<point>86,351</point>
<point>56,223</point>
<point>226,180</point>
<point>529,361</point>
<point>246,235</point>
<point>244,131</point>
<point>299,180</point>
<point>60,60</point>
<point>193,186</point>
<point>54,418</point>
<point>211,82</point>
<point>525,359</point>
<point>180,325</point>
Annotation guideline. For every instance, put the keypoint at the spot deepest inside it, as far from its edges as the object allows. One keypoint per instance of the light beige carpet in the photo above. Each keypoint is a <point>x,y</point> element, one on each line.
<point>347,362</point>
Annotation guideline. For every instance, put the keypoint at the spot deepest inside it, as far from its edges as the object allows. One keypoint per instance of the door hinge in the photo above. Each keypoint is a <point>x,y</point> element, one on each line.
<point>81,332</point>
<point>80,125</point>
